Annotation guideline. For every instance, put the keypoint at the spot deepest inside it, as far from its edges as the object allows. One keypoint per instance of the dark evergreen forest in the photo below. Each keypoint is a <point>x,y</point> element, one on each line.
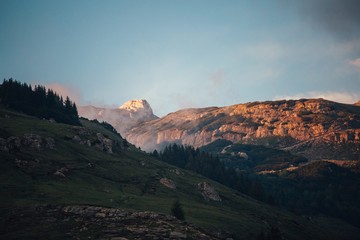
<point>208,165</point>
<point>38,101</point>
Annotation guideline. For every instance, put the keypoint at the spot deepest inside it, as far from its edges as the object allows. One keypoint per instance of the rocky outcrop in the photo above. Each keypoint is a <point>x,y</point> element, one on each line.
<point>14,143</point>
<point>61,172</point>
<point>91,222</point>
<point>104,144</point>
<point>208,192</point>
<point>32,140</point>
<point>98,140</point>
<point>275,123</point>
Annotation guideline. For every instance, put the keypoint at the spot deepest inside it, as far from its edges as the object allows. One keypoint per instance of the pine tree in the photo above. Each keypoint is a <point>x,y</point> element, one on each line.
<point>177,211</point>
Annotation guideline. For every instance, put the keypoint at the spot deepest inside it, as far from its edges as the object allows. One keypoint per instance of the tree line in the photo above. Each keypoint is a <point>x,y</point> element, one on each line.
<point>38,101</point>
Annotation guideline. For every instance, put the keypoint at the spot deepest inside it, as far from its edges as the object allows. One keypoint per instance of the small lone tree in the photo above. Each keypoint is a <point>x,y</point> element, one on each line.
<point>177,211</point>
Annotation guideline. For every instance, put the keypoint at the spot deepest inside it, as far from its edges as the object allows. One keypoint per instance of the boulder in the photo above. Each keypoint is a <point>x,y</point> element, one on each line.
<point>105,144</point>
<point>61,172</point>
<point>168,183</point>
<point>49,143</point>
<point>76,139</point>
<point>208,192</point>
<point>13,143</point>
<point>32,140</point>
<point>3,145</point>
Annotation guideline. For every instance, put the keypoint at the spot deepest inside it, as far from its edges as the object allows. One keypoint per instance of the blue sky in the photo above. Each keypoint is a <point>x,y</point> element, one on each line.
<point>179,54</point>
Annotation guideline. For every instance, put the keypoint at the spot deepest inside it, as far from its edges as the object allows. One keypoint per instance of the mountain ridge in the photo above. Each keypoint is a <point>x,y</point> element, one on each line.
<point>280,124</point>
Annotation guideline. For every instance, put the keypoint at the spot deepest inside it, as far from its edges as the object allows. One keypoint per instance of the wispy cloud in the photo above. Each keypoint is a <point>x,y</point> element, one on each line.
<point>343,97</point>
<point>355,63</point>
<point>66,91</point>
<point>217,80</point>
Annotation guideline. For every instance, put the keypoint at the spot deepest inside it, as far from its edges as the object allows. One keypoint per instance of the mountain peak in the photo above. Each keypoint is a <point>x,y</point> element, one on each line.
<point>137,105</point>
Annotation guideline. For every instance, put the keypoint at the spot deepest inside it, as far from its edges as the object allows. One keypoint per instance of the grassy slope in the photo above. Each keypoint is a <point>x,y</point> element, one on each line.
<point>130,179</point>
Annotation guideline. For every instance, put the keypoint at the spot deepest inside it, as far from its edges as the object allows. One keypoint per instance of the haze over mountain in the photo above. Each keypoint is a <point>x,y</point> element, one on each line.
<point>122,118</point>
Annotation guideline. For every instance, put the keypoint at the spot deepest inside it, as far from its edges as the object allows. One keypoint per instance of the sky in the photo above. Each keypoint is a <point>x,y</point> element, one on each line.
<point>180,53</point>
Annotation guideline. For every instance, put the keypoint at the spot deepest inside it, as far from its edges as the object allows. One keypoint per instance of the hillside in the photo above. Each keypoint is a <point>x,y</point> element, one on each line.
<point>329,187</point>
<point>309,127</point>
<point>78,167</point>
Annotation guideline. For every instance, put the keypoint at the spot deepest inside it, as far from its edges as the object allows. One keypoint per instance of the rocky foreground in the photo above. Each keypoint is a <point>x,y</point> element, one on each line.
<point>92,222</point>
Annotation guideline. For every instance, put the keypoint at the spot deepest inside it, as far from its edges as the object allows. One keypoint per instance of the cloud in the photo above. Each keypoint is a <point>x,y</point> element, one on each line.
<point>265,51</point>
<point>64,90</point>
<point>340,18</point>
<point>342,97</point>
<point>217,80</point>
<point>355,63</point>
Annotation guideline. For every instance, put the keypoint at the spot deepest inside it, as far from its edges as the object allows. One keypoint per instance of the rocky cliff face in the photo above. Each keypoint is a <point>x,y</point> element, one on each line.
<point>122,118</point>
<point>280,124</point>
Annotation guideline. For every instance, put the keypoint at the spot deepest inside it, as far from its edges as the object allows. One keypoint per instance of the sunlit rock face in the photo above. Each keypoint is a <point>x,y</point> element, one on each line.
<point>281,124</point>
<point>122,118</point>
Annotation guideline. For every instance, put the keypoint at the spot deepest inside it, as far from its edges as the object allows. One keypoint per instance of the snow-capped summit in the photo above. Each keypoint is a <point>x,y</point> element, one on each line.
<point>137,105</point>
<point>122,118</point>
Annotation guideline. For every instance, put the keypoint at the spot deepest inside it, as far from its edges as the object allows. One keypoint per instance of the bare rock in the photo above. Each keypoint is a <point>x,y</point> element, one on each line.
<point>76,139</point>
<point>107,223</point>
<point>105,144</point>
<point>208,192</point>
<point>32,140</point>
<point>21,163</point>
<point>81,131</point>
<point>177,235</point>
<point>61,172</point>
<point>168,183</point>
<point>243,155</point>
<point>49,143</point>
<point>3,145</point>
<point>177,172</point>
<point>13,143</point>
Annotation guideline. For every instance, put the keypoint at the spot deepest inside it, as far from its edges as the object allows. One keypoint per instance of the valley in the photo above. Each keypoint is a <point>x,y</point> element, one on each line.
<point>84,180</point>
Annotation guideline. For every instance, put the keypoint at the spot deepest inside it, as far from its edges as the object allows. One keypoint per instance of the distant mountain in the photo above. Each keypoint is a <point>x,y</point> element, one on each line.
<point>122,118</point>
<point>314,128</point>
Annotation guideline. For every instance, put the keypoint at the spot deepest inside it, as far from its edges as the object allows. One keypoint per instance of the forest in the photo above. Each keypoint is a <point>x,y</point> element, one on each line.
<point>38,101</point>
<point>208,165</point>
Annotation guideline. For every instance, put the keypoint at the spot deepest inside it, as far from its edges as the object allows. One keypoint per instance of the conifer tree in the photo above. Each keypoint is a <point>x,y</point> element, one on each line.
<point>177,211</point>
